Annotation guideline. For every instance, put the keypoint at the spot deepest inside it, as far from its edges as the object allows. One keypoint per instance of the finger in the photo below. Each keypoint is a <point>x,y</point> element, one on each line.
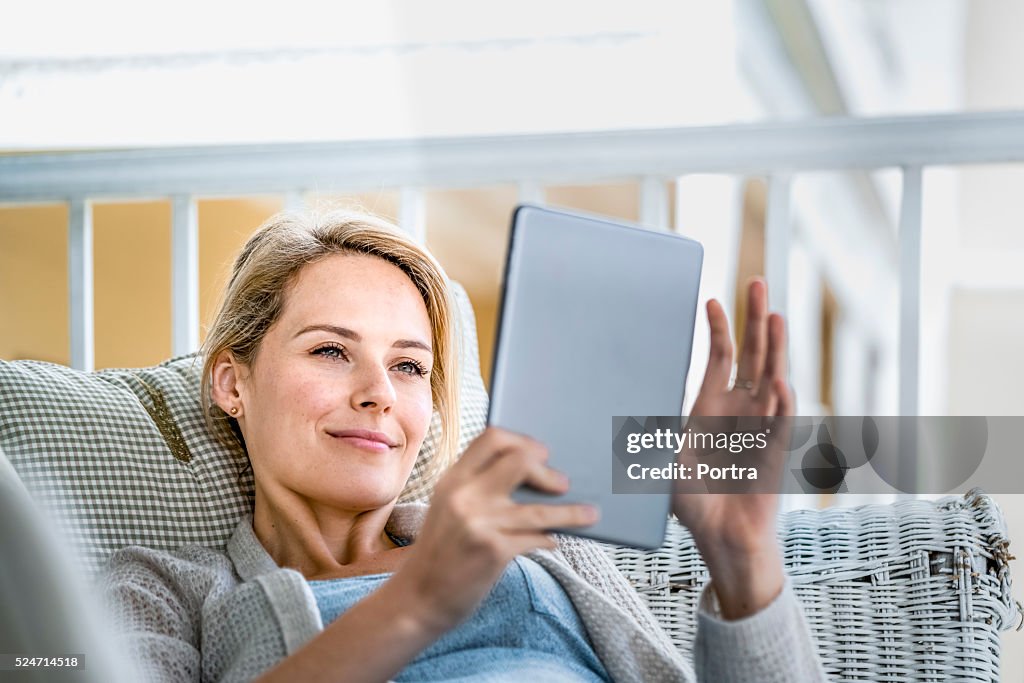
<point>719,368</point>
<point>755,336</point>
<point>523,464</point>
<point>775,363</point>
<point>546,479</point>
<point>766,400</point>
<point>781,428</point>
<point>782,425</point>
<point>787,402</point>
<point>485,448</point>
<point>775,366</point>
<point>540,517</point>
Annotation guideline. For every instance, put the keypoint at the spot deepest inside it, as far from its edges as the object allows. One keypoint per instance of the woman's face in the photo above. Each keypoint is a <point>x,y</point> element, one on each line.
<point>338,399</point>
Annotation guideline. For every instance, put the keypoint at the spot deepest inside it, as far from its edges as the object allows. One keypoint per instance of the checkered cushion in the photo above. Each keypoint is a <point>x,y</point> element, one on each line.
<point>125,457</point>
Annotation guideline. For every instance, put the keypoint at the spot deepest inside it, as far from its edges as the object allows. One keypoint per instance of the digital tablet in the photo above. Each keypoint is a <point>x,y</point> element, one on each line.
<point>597,320</point>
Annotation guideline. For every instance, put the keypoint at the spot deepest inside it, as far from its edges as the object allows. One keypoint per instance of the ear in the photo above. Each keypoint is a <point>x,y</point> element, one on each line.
<point>227,386</point>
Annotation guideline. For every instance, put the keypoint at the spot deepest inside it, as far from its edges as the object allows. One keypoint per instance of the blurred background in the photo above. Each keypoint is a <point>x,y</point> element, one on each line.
<point>117,76</point>
<point>77,79</point>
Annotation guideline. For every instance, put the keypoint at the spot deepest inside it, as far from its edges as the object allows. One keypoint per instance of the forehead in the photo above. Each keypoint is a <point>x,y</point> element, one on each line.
<point>341,287</point>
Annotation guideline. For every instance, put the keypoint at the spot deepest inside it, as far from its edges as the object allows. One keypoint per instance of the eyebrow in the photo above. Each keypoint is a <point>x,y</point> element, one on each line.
<point>356,337</point>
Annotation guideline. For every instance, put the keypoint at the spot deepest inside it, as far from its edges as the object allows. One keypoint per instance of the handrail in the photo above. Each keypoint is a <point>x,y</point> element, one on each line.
<point>777,149</point>
<point>791,146</point>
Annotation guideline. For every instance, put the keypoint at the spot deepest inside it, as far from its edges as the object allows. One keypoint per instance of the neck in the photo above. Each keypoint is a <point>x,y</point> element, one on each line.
<point>317,539</point>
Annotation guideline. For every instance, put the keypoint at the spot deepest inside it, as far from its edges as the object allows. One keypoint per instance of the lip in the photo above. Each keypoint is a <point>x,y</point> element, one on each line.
<point>365,438</point>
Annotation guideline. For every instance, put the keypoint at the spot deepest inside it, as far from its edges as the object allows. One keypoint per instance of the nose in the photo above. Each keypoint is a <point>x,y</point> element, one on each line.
<point>373,391</point>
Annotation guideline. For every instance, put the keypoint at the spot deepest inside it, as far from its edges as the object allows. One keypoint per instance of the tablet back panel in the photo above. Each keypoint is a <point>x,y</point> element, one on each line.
<point>597,320</point>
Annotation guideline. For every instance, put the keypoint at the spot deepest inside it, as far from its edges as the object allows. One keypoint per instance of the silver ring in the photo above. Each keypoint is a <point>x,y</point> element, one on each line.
<point>743,384</point>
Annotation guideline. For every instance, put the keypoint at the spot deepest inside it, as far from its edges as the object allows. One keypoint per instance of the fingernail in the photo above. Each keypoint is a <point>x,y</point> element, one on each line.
<point>593,514</point>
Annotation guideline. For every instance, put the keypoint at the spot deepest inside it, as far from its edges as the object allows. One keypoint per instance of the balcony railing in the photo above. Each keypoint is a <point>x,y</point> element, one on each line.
<point>779,151</point>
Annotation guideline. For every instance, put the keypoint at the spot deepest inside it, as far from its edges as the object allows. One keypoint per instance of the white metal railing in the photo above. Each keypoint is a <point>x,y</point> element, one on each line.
<point>654,157</point>
<point>184,274</point>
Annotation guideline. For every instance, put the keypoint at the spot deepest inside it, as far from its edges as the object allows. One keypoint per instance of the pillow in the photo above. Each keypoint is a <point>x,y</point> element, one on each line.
<point>124,457</point>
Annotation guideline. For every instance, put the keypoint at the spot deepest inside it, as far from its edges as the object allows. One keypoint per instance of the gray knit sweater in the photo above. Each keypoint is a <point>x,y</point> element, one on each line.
<point>198,614</point>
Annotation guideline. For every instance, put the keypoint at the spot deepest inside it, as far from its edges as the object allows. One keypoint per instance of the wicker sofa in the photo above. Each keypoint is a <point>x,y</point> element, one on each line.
<point>914,591</point>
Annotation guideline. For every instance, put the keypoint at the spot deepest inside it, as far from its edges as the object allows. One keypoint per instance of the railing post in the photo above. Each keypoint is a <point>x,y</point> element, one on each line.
<point>709,210</point>
<point>910,327</point>
<point>80,284</point>
<point>654,203</point>
<point>778,235</point>
<point>412,213</point>
<point>184,275</point>
<point>530,192</point>
<point>294,200</point>
<point>778,232</point>
<point>910,289</point>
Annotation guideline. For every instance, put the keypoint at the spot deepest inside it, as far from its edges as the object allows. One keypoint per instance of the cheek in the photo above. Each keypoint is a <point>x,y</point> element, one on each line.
<point>312,396</point>
<point>417,411</point>
<point>295,395</point>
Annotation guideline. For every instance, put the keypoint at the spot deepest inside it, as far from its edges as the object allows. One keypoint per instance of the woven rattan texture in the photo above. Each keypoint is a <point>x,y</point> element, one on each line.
<point>124,457</point>
<point>912,591</point>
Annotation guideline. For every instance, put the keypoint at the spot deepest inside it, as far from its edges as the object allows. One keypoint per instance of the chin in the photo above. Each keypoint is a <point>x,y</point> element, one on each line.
<point>363,498</point>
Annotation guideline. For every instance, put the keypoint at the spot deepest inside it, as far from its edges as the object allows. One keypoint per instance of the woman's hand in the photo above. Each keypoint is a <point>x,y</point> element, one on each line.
<point>474,529</point>
<point>735,532</point>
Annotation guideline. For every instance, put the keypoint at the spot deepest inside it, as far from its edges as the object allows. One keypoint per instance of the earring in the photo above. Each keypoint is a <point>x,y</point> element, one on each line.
<point>234,411</point>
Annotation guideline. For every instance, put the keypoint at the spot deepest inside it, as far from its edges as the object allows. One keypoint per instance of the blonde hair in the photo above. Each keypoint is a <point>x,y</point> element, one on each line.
<point>272,259</point>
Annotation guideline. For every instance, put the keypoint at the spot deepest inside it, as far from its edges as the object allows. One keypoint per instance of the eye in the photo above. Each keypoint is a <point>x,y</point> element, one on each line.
<point>412,367</point>
<point>331,350</point>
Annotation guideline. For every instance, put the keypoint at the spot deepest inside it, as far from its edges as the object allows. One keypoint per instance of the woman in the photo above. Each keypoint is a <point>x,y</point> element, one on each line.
<point>329,354</point>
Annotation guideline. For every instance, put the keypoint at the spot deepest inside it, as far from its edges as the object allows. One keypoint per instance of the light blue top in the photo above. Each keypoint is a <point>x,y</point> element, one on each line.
<point>525,629</point>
